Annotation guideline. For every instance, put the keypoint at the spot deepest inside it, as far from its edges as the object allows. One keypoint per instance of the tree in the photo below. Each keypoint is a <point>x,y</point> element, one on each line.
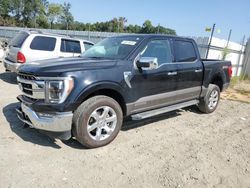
<point>121,23</point>
<point>17,7</point>
<point>66,17</point>
<point>28,11</point>
<point>133,28</point>
<point>164,30</point>
<point>147,27</point>
<point>114,24</point>
<point>40,13</point>
<point>4,8</point>
<point>54,13</point>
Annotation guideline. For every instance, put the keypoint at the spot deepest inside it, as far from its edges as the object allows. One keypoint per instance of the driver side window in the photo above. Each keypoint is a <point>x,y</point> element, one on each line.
<point>160,49</point>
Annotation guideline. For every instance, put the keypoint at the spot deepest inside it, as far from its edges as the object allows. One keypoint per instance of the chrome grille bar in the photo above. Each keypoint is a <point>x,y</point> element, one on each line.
<point>31,87</point>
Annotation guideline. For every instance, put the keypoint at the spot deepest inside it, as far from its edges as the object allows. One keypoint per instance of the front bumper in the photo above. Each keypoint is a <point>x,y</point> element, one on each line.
<point>57,122</point>
<point>10,65</point>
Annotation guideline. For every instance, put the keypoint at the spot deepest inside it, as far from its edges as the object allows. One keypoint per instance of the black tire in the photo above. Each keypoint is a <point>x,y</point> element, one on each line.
<point>81,119</point>
<point>204,102</point>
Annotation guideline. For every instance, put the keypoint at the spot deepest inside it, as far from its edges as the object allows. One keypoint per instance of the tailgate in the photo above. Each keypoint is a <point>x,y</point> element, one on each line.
<point>12,54</point>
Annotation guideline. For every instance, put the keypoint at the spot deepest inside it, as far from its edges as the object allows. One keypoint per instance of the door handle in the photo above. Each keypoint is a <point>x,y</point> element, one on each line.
<point>198,70</point>
<point>172,73</point>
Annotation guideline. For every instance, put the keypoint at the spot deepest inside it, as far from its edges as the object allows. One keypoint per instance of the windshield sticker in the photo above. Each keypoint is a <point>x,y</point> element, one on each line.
<point>128,42</point>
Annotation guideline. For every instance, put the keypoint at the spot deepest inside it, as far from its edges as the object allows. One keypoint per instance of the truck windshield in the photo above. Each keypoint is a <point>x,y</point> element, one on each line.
<point>113,48</point>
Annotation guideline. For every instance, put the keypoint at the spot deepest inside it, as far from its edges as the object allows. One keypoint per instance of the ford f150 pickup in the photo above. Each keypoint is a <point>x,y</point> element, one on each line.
<point>136,75</point>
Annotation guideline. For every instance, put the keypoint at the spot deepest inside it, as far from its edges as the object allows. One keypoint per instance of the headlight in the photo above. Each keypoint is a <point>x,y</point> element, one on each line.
<point>56,91</point>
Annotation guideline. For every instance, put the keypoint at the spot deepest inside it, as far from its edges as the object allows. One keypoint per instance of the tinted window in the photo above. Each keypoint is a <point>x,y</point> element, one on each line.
<point>19,39</point>
<point>70,46</point>
<point>184,51</point>
<point>87,45</point>
<point>43,43</point>
<point>160,49</point>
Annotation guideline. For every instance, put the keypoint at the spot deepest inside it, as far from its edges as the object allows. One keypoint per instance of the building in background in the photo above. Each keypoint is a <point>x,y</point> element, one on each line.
<point>232,51</point>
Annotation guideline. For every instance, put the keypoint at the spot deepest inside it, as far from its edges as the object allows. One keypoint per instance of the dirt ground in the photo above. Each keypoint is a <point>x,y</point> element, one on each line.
<point>238,91</point>
<point>183,148</point>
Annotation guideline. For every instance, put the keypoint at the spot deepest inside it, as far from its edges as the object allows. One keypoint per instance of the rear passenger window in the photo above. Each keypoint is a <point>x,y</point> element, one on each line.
<point>184,51</point>
<point>70,46</point>
<point>87,45</point>
<point>43,43</point>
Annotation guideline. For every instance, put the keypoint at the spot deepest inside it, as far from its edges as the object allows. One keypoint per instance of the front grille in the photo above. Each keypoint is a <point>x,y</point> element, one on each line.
<point>30,99</point>
<point>28,86</point>
<point>26,76</point>
<point>31,87</point>
<point>27,91</point>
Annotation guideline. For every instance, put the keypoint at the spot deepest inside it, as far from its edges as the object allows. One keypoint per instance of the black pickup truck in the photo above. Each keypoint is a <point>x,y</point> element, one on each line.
<point>136,75</point>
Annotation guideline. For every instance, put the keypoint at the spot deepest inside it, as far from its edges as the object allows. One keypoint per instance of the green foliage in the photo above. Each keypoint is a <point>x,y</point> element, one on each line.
<point>54,13</point>
<point>4,8</point>
<point>66,16</point>
<point>147,27</point>
<point>42,14</point>
<point>225,52</point>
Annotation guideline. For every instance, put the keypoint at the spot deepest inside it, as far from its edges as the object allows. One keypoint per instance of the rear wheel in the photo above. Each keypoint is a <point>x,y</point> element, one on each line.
<point>97,121</point>
<point>210,102</point>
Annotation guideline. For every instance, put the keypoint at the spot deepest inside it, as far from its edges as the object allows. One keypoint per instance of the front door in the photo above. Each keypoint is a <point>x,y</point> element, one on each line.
<point>152,88</point>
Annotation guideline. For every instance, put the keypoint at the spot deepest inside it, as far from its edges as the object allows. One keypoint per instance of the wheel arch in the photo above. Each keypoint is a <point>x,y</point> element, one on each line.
<point>109,89</point>
<point>217,79</point>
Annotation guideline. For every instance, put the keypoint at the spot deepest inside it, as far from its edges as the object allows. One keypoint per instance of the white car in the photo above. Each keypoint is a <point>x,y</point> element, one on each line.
<point>29,46</point>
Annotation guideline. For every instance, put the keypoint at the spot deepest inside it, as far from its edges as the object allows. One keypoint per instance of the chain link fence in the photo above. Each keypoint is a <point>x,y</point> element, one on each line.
<point>246,61</point>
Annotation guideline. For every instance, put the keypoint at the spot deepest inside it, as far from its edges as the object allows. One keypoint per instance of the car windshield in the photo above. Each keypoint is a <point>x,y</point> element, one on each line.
<point>113,48</point>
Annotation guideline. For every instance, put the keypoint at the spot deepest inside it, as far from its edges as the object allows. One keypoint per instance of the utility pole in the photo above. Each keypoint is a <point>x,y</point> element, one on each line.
<point>229,36</point>
<point>210,40</point>
<point>239,57</point>
<point>89,33</point>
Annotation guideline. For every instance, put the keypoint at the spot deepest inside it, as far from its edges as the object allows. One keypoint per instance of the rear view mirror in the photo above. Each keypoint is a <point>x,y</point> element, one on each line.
<point>147,63</point>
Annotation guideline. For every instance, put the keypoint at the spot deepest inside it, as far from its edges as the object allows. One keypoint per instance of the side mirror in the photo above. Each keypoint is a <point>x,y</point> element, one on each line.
<point>147,63</point>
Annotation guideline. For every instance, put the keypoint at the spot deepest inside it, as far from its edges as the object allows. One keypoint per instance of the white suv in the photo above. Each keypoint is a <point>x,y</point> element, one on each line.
<point>29,46</point>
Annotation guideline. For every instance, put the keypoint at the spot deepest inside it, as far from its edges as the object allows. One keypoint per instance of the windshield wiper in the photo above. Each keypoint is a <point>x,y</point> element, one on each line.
<point>96,57</point>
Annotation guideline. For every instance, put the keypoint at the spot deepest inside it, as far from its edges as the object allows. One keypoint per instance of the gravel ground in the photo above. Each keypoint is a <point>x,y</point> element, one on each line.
<point>183,148</point>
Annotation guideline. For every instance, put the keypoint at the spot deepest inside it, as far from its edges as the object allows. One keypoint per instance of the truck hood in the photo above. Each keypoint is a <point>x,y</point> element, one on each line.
<point>55,67</point>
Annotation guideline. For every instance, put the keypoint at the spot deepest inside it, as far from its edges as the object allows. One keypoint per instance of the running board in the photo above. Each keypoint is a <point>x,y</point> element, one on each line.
<point>156,112</point>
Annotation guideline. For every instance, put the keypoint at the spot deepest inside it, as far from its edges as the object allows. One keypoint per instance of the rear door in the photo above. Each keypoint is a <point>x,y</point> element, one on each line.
<point>15,45</point>
<point>189,70</point>
<point>70,48</point>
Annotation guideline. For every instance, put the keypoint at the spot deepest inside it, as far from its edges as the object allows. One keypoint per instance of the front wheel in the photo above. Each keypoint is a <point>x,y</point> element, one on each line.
<point>210,102</point>
<point>97,121</point>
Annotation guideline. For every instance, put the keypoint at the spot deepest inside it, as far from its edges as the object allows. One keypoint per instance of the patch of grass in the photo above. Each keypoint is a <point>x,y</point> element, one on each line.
<point>234,81</point>
<point>242,91</point>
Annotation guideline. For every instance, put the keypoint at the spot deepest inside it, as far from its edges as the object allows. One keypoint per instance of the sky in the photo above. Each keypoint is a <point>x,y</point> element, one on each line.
<point>187,17</point>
